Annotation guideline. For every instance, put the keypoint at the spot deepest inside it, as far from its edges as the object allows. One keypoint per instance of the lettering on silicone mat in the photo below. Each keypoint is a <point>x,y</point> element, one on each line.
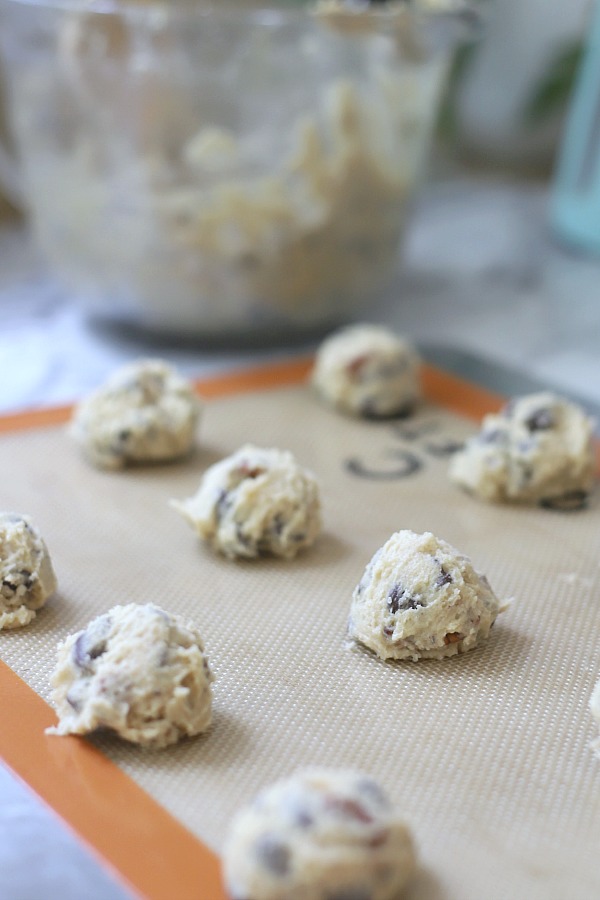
<point>420,439</point>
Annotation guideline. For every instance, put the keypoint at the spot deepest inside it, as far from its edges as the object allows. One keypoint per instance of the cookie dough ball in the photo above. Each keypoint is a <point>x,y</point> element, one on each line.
<point>26,575</point>
<point>144,413</point>
<point>368,371</point>
<point>538,449</point>
<point>137,671</point>
<point>319,835</point>
<point>420,598</point>
<point>256,502</point>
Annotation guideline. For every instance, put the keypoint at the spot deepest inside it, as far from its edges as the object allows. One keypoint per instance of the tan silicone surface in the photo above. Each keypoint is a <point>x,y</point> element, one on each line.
<point>488,754</point>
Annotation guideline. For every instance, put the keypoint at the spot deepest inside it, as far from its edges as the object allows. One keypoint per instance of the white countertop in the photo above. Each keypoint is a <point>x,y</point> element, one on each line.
<point>482,276</point>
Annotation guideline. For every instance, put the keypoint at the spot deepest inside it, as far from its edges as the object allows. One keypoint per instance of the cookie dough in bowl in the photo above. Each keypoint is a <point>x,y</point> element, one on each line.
<point>322,834</point>
<point>537,450</point>
<point>27,578</point>
<point>137,671</point>
<point>256,501</point>
<point>367,370</point>
<point>146,412</point>
<point>420,598</point>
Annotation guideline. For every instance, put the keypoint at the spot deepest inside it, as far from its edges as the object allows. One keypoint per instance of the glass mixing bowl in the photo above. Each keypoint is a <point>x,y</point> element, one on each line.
<point>227,171</point>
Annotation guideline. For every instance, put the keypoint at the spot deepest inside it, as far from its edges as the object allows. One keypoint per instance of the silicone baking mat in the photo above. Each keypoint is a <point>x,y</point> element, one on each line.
<point>488,754</point>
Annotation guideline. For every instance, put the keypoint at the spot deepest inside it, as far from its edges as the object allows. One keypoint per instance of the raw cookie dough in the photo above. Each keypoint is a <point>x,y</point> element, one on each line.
<point>255,502</point>
<point>538,449</point>
<point>420,598</point>
<point>144,413</point>
<point>297,222</point>
<point>26,575</point>
<point>319,835</point>
<point>137,671</point>
<point>368,371</point>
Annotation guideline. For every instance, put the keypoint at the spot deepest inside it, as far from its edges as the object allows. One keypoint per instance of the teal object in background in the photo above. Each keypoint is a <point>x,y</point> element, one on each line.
<point>575,208</point>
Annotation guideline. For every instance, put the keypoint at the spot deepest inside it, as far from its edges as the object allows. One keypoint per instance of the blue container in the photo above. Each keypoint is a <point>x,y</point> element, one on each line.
<point>575,208</point>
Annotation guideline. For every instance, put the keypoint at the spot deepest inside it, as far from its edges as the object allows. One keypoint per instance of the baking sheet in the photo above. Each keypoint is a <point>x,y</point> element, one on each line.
<point>488,754</point>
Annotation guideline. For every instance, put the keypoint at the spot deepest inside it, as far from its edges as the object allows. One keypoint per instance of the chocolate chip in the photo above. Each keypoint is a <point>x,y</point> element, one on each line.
<point>222,504</point>
<point>541,420</point>
<point>303,819</point>
<point>355,366</point>
<point>491,436</point>
<point>273,854</point>
<point>88,646</point>
<point>371,789</point>
<point>248,471</point>
<point>23,578</point>
<point>379,838</point>
<point>526,446</point>
<point>161,614</point>
<point>244,539</point>
<point>349,809</point>
<point>526,473</point>
<point>569,502</point>
<point>278,524</point>
<point>453,637</point>
<point>444,578</point>
<point>97,650</point>
<point>84,652</point>
<point>75,704</point>
<point>484,581</point>
<point>399,599</point>
<point>394,597</point>
<point>27,578</point>
<point>368,410</point>
<point>80,654</point>
<point>388,632</point>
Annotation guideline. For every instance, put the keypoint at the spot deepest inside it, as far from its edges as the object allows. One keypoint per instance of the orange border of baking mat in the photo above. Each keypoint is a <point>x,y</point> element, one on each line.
<point>145,847</point>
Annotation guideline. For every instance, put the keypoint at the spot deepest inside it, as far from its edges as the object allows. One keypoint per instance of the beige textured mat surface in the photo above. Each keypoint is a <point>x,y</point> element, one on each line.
<point>488,753</point>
